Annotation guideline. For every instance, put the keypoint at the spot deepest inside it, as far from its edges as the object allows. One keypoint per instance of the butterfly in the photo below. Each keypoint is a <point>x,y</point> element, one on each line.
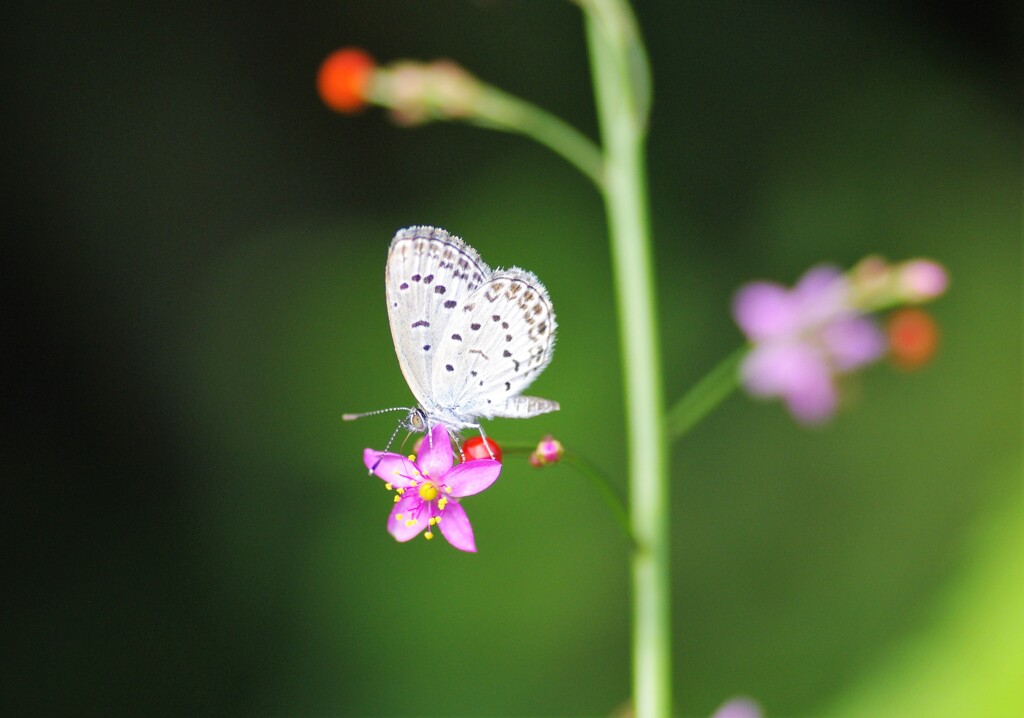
<point>469,340</point>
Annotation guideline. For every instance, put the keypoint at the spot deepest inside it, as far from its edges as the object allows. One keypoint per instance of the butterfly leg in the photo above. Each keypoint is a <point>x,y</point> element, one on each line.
<point>458,444</point>
<point>483,436</point>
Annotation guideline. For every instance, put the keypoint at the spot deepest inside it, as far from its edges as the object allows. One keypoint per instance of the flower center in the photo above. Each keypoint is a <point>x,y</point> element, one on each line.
<point>428,491</point>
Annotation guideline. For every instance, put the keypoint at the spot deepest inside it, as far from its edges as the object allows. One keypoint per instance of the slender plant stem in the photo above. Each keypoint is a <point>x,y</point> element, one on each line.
<point>612,42</point>
<point>603,487</point>
<point>708,393</point>
<point>496,109</point>
<point>596,477</point>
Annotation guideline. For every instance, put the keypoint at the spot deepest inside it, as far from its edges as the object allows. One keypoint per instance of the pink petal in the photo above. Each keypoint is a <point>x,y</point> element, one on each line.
<point>817,281</point>
<point>393,468</point>
<point>923,279</point>
<point>411,508</point>
<point>814,400</point>
<point>738,708</point>
<point>852,342</point>
<point>435,456</point>
<point>796,372</point>
<point>472,477</point>
<point>775,369</point>
<point>455,528</point>
<point>821,294</point>
<point>763,310</point>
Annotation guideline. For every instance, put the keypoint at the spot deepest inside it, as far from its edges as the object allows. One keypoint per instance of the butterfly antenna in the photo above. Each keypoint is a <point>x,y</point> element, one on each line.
<point>353,417</point>
<point>388,446</point>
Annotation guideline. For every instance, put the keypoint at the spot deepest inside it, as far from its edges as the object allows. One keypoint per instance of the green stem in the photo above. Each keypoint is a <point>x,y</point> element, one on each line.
<point>603,487</point>
<point>612,42</point>
<point>708,393</point>
<point>496,109</point>
<point>590,471</point>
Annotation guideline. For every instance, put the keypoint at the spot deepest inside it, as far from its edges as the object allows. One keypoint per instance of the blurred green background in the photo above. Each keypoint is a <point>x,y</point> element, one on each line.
<point>193,294</point>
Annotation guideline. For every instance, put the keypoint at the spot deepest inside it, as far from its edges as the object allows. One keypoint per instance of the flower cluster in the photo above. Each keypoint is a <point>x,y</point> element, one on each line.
<point>416,92</point>
<point>428,487</point>
<point>806,337</point>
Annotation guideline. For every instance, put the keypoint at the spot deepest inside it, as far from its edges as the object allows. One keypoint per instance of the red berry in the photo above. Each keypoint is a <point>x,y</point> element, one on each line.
<point>474,448</point>
<point>343,78</point>
<point>913,337</point>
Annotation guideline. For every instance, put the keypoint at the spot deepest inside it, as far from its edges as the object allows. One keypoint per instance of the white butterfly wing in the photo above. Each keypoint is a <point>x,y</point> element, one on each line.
<point>429,275</point>
<point>497,342</point>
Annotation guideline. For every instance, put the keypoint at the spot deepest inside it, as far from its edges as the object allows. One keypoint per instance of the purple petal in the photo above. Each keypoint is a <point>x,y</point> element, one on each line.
<point>813,400</point>
<point>738,708</point>
<point>455,527</point>
<point>796,372</point>
<point>393,468</point>
<point>412,509</point>
<point>821,294</point>
<point>852,342</point>
<point>436,456</point>
<point>763,310</point>
<point>472,477</point>
<point>778,368</point>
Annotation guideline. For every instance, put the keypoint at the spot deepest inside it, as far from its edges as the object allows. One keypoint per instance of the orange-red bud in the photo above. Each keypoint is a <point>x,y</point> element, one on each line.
<point>913,337</point>
<point>343,79</point>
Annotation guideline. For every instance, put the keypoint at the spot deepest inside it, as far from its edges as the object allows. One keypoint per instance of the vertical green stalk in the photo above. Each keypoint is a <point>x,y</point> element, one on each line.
<point>621,105</point>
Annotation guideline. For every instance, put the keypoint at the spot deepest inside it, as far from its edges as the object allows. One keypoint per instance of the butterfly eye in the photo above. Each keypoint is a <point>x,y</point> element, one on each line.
<point>415,420</point>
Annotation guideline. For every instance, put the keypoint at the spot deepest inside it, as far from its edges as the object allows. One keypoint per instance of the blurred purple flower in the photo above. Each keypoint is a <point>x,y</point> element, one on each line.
<point>803,338</point>
<point>427,486</point>
<point>738,708</point>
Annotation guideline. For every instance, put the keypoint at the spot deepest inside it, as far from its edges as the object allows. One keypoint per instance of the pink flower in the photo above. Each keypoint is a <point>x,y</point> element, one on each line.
<point>739,708</point>
<point>427,488</point>
<point>802,339</point>
<point>548,451</point>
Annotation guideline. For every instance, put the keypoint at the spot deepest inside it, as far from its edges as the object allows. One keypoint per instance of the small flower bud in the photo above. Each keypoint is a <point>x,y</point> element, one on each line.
<point>921,280</point>
<point>548,451</point>
<point>418,92</point>
<point>871,279</point>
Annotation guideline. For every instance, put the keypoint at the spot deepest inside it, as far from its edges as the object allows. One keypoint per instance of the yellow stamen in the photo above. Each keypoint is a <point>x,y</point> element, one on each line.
<point>397,499</point>
<point>442,503</point>
<point>412,457</point>
<point>399,517</point>
<point>410,523</point>
<point>428,535</point>
<point>388,486</point>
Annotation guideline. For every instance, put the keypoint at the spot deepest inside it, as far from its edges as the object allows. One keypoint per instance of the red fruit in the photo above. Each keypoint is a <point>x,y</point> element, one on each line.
<point>343,79</point>
<point>913,337</point>
<point>474,448</point>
